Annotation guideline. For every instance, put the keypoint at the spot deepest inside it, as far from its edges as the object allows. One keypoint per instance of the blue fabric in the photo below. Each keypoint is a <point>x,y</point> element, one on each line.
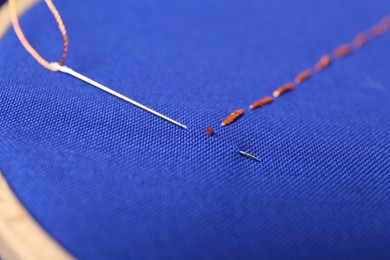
<point>110,181</point>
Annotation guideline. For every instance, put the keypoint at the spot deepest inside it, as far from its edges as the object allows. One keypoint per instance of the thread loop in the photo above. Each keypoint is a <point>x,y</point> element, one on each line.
<point>26,44</point>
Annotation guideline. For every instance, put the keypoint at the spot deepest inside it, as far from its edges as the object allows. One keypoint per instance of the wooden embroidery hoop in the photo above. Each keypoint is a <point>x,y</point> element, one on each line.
<point>21,237</point>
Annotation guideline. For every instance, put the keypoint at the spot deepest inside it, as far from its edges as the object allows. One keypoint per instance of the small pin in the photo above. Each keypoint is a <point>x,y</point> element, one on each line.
<point>249,155</point>
<point>75,74</point>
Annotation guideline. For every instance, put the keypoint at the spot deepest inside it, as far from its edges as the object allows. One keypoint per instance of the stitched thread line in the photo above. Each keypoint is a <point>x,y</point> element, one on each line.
<point>233,117</point>
<point>26,44</point>
<point>340,52</point>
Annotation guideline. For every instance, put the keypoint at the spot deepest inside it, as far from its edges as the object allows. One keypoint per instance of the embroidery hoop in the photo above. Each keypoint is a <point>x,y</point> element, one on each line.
<point>21,237</point>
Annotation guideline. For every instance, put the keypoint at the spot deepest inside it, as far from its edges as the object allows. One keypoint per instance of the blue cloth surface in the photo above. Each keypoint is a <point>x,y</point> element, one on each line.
<point>110,181</point>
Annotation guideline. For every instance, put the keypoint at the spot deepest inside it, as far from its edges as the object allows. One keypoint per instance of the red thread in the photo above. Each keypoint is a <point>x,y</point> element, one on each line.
<point>304,75</point>
<point>378,30</point>
<point>386,22</point>
<point>233,117</point>
<point>342,51</point>
<point>323,63</point>
<point>210,131</point>
<point>26,44</point>
<point>360,40</point>
<point>283,89</point>
<point>261,102</point>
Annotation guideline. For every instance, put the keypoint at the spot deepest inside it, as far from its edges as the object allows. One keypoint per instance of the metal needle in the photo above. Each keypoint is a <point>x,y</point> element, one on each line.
<point>249,155</point>
<point>73,73</point>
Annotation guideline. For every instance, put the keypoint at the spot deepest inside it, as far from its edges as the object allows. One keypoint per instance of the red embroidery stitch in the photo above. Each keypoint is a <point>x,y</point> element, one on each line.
<point>210,131</point>
<point>283,89</point>
<point>378,30</point>
<point>261,102</point>
<point>360,40</point>
<point>342,51</point>
<point>304,75</point>
<point>386,22</point>
<point>233,117</point>
<point>323,63</point>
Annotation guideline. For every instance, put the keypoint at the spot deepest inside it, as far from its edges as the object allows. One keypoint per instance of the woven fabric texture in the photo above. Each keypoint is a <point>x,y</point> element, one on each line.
<point>110,181</point>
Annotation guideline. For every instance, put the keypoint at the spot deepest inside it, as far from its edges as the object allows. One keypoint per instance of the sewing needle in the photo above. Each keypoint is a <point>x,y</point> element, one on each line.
<point>249,155</point>
<point>75,74</point>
